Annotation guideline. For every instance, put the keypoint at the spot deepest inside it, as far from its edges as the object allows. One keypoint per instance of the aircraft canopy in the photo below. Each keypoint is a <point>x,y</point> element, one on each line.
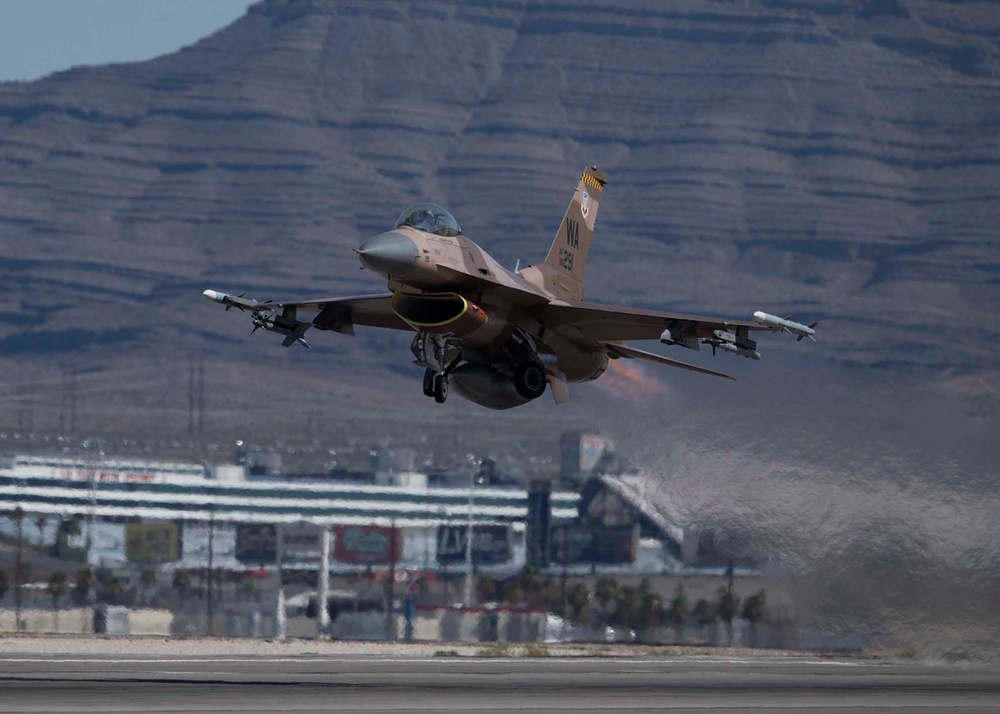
<point>430,218</point>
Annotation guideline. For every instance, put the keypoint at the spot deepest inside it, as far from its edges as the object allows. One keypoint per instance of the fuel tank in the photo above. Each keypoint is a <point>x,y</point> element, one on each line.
<point>485,387</point>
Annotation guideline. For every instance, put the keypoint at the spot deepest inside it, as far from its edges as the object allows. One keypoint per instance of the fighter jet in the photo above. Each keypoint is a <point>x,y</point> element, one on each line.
<point>499,337</point>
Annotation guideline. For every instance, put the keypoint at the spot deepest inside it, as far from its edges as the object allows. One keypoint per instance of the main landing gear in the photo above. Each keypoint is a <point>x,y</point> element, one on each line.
<point>530,379</point>
<point>517,361</point>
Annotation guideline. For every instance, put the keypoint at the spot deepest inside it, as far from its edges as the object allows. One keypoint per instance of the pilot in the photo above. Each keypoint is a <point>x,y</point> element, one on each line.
<point>423,220</point>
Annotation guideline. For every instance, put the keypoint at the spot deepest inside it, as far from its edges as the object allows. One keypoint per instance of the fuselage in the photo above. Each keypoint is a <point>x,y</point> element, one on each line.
<point>424,264</point>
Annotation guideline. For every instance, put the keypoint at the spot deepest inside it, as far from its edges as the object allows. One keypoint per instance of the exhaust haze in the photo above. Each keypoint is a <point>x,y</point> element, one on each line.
<point>873,497</point>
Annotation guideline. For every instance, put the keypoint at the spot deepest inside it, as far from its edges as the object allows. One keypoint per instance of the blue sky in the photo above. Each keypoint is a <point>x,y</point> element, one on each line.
<point>38,37</point>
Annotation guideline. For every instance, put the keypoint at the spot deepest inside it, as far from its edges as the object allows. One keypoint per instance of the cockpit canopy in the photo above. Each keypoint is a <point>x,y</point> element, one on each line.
<point>429,218</point>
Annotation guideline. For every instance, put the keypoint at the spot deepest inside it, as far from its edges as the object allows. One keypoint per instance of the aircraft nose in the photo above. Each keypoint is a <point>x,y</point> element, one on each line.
<point>387,253</point>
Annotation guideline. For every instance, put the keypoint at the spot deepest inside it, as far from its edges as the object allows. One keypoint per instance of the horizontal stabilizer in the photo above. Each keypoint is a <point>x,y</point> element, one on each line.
<point>619,350</point>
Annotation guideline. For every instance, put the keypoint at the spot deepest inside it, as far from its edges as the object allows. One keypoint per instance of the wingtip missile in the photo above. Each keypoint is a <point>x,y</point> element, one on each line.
<point>783,324</point>
<point>231,301</point>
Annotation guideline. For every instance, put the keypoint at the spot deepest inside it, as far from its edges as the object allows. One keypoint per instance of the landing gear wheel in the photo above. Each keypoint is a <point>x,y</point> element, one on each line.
<point>440,388</point>
<point>429,375</point>
<point>530,380</point>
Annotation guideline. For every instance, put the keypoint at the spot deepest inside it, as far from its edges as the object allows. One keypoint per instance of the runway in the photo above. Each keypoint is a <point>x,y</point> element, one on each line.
<point>487,686</point>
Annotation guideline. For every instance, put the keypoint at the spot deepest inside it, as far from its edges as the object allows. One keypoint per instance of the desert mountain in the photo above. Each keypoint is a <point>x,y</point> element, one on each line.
<point>835,160</point>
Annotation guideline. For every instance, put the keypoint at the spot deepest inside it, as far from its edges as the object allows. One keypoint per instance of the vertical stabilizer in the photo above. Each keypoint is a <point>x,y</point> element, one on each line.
<point>568,254</point>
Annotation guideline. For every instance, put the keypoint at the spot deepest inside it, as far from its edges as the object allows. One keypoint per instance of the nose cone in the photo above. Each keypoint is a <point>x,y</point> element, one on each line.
<point>389,253</point>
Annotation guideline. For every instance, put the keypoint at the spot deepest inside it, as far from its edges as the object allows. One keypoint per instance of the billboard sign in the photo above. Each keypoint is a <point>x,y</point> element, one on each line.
<point>256,543</point>
<point>152,542</point>
<point>598,544</point>
<point>302,543</point>
<point>490,544</point>
<point>368,545</point>
<point>592,448</point>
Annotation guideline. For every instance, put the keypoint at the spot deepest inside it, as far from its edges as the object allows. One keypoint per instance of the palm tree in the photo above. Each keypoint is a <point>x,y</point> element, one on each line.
<point>486,589</point>
<point>753,612</point>
<point>182,582</point>
<point>534,586</point>
<point>113,590</point>
<point>704,615</point>
<point>58,587</point>
<point>628,607</point>
<point>650,610</point>
<point>512,593</point>
<point>728,605</point>
<point>606,591</point>
<point>40,523</point>
<point>248,589</point>
<point>4,583</point>
<point>83,586</point>
<point>680,610</point>
<point>579,600</point>
<point>147,581</point>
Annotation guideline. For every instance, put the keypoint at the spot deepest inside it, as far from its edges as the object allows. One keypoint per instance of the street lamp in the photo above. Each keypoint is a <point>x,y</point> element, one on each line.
<point>467,598</point>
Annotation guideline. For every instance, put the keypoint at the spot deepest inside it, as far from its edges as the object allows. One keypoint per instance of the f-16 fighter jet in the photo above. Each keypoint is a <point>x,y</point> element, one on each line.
<point>500,337</point>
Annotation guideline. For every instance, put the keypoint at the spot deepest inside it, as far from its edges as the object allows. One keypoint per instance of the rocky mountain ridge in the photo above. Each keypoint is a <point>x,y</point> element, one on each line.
<point>838,160</point>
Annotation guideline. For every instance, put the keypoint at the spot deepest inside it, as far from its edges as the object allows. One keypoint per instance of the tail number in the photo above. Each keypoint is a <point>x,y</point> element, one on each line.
<point>566,259</point>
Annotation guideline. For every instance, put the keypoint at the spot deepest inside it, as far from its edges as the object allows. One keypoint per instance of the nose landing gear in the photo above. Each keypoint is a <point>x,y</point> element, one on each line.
<point>439,354</point>
<point>436,385</point>
<point>440,388</point>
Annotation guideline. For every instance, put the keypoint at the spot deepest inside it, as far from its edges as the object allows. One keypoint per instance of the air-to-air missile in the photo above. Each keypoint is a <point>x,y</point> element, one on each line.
<point>267,319</point>
<point>783,324</point>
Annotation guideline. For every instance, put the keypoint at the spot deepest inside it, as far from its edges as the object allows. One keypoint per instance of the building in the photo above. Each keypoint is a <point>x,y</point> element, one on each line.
<point>106,493</point>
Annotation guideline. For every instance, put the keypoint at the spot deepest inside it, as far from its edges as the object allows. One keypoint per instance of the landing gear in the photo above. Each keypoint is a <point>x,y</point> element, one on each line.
<point>439,353</point>
<point>530,379</point>
<point>516,361</point>
<point>440,388</point>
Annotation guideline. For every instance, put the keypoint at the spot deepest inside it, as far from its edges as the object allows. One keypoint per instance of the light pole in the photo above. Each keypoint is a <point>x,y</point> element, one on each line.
<point>18,565</point>
<point>210,626</point>
<point>323,586</point>
<point>280,625</point>
<point>467,599</point>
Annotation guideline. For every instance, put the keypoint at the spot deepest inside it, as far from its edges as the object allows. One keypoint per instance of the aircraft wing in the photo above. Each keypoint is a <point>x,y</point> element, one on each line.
<point>339,314</point>
<point>616,350</point>
<point>610,323</point>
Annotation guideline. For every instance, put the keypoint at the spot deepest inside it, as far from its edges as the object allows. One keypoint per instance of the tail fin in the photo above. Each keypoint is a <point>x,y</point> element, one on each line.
<point>568,254</point>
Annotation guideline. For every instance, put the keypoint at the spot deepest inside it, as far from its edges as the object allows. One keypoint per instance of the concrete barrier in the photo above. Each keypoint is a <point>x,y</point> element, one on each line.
<point>110,620</point>
<point>150,621</point>
<point>75,621</point>
<point>300,627</point>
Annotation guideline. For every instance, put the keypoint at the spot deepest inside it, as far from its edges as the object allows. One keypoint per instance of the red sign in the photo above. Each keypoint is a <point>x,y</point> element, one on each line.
<point>369,545</point>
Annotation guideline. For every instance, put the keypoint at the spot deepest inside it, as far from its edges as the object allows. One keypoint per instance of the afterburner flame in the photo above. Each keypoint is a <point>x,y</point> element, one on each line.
<point>628,379</point>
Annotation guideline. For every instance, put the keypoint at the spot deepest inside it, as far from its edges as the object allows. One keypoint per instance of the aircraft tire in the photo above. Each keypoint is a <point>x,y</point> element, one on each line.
<point>429,375</point>
<point>440,388</point>
<point>530,380</point>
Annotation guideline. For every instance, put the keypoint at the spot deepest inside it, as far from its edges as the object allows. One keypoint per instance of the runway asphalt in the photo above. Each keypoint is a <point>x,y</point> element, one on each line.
<point>407,683</point>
